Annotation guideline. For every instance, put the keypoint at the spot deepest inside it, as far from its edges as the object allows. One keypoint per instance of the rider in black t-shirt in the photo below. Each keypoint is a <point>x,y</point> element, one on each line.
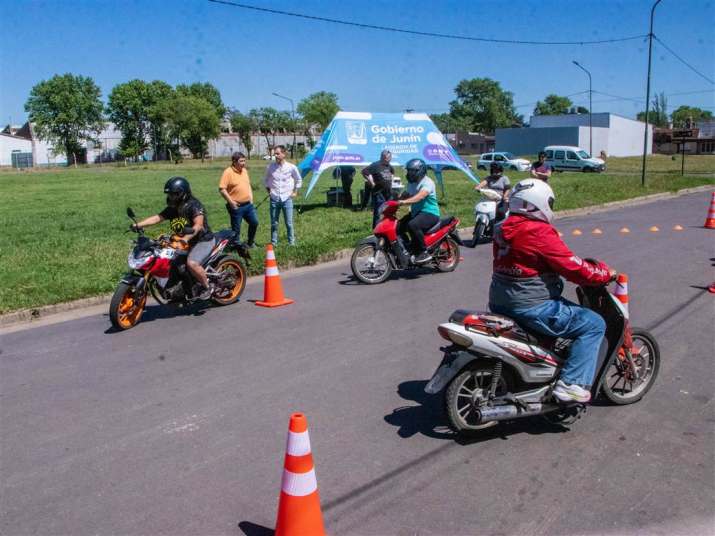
<point>184,210</point>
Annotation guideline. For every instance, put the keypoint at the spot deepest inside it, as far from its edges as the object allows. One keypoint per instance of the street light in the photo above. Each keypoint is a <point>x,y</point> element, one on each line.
<point>590,107</point>
<point>647,91</point>
<point>292,115</point>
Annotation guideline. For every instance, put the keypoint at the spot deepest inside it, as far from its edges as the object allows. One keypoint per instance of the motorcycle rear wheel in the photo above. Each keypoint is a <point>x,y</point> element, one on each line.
<point>126,307</point>
<point>447,256</point>
<point>461,413</point>
<point>647,361</point>
<point>229,295</point>
<point>363,264</point>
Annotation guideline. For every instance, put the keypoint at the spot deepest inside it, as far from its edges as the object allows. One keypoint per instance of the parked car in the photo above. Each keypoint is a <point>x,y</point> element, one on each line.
<point>506,159</point>
<point>570,158</point>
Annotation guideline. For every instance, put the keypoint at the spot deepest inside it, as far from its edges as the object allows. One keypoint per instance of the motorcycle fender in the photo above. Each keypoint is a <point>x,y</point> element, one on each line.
<point>452,363</point>
<point>369,240</point>
<point>483,218</point>
<point>136,280</point>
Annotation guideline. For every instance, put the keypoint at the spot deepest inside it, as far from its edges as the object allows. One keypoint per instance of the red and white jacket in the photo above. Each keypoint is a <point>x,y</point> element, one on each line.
<point>529,257</point>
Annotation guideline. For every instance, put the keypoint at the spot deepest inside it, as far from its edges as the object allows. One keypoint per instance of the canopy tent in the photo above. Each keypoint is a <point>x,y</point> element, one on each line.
<point>358,138</point>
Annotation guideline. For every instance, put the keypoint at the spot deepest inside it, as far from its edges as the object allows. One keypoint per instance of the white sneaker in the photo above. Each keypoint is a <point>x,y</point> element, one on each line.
<point>571,393</point>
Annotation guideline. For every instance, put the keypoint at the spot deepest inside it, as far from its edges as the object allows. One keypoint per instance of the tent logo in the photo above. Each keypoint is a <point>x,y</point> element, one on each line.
<point>357,133</point>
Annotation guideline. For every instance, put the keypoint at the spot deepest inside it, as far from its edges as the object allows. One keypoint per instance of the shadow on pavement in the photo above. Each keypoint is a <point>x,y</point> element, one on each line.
<point>251,529</point>
<point>165,312</point>
<point>428,419</point>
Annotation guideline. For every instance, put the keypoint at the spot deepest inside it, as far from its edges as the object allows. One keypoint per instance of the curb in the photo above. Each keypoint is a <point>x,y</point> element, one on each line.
<point>35,313</point>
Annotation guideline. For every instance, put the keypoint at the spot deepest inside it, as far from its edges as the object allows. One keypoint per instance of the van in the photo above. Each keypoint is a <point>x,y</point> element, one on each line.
<point>570,158</point>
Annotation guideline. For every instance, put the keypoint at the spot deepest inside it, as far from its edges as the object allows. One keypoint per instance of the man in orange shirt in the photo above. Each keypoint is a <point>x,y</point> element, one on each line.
<point>235,187</point>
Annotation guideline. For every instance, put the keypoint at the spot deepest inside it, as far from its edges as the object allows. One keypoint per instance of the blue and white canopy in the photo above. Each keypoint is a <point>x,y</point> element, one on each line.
<point>358,138</point>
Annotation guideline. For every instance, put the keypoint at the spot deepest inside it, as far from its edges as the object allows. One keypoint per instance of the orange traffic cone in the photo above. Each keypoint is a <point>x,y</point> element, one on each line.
<point>272,288</point>
<point>710,220</point>
<point>299,505</point>
<point>621,290</point>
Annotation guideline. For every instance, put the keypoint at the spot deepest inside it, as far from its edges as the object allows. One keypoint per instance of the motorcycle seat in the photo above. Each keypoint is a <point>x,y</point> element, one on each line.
<point>444,222</point>
<point>505,327</point>
<point>225,234</point>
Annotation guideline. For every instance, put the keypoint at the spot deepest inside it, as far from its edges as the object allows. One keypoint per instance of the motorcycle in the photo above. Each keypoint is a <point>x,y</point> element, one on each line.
<point>375,257</point>
<point>159,267</point>
<point>485,214</point>
<point>494,370</point>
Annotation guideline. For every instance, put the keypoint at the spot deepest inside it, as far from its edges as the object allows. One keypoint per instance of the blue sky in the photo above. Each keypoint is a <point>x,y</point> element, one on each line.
<point>249,55</point>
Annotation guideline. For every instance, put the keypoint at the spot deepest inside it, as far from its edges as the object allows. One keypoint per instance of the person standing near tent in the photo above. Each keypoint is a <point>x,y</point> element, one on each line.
<point>540,169</point>
<point>379,175</point>
<point>235,188</point>
<point>345,174</point>
<point>282,181</point>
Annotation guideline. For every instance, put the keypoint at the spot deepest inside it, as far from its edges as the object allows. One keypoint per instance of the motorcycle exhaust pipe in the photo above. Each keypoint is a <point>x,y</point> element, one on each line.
<point>510,411</point>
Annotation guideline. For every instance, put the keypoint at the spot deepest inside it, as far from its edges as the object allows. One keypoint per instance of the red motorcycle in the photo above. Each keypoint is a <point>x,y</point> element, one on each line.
<point>376,256</point>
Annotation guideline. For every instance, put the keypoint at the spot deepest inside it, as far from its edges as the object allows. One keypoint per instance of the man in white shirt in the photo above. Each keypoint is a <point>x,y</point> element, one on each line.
<point>282,181</point>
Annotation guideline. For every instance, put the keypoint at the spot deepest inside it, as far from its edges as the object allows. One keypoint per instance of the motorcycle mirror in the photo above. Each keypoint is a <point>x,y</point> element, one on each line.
<point>130,213</point>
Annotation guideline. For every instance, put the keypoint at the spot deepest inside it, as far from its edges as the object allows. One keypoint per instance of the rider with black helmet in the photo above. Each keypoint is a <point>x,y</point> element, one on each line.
<point>424,210</point>
<point>184,210</point>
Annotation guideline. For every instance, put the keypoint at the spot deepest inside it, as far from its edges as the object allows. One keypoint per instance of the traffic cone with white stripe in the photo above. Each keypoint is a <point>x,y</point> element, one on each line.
<point>621,290</point>
<point>710,220</point>
<point>272,289</point>
<point>299,505</point>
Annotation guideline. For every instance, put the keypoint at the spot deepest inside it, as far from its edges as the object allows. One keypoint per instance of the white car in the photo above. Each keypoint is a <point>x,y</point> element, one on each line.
<point>570,158</point>
<point>506,159</point>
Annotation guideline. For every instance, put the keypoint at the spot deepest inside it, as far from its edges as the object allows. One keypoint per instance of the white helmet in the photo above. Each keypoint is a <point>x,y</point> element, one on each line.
<point>534,199</point>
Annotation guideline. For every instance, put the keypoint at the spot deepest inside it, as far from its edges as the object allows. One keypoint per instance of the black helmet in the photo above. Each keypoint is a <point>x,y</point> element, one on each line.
<point>416,170</point>
<point>496,167</point>
<point>177,189</point>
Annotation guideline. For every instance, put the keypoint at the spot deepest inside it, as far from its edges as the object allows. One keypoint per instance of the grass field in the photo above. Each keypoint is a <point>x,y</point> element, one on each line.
<point>63,229</point>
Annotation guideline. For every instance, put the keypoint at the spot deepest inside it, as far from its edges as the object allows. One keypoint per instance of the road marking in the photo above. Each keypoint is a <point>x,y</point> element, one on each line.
<point>678,228</point>
<point>654,229</point>
<point>625,230</point>
<point>597,231</point>
<point>576,232</point>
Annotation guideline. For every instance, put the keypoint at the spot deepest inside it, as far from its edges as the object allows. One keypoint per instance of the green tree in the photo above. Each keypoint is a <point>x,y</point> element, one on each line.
<point>127,108</point>
<point>446,123</point>
<point>319,108</point>
<point>157,119</point>
<point>270,122</point>
<point>205,91</point>
<point>683,114</point>
<point>66,110</point>
<point>482,105</point>
<point>244,126</point>
<point>194,122</point>
<point>553,105</point>
<point>658,115</point>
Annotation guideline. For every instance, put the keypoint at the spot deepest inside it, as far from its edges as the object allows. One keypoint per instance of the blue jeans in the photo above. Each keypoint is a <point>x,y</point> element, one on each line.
<point>244,212</point>
<point>377,200</point>
<point>287,208</point>
<point>562,318</point>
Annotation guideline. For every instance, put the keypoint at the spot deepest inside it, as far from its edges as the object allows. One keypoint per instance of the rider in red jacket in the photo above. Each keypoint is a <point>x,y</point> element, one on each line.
<point>529,260</point>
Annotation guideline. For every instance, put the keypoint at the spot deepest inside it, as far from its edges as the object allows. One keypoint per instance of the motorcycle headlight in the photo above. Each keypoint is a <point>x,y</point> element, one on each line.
<point>136,261</point>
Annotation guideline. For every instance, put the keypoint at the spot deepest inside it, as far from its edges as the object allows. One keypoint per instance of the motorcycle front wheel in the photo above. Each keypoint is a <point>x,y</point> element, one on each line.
<point>126,307</point>
<point>619,384</point>
<point>370,264</point>
<point>478,234</point>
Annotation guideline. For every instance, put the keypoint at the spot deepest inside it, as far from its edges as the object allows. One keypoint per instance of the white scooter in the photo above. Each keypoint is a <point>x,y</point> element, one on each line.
<point>485,214</point>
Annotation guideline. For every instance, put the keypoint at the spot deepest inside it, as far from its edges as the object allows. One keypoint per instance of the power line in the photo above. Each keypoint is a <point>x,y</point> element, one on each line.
<point>666,47</point>
<point>424,34</point>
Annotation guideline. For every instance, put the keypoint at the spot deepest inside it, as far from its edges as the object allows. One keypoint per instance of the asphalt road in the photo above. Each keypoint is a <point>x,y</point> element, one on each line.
<point>178,426</point>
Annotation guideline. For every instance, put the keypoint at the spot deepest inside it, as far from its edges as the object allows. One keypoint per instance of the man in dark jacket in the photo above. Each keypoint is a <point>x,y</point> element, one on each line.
<point>379,176</point>
<point>529,260</point>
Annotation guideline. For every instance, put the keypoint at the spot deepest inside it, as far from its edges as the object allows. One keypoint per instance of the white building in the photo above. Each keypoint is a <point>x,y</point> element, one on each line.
<point>19,139</point>
<point>613,134</point>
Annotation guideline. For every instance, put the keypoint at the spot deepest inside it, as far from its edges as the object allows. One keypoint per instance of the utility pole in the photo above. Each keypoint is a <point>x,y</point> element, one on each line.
<point>647,91</point>
<point>590,107</point>
<point>292,115</point>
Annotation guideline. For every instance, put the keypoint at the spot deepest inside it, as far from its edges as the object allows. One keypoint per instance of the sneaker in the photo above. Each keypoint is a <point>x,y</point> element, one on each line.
<point>422,258</point>
<point>571,392</point>
<point>251,245</point>
<point>206,293</point>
